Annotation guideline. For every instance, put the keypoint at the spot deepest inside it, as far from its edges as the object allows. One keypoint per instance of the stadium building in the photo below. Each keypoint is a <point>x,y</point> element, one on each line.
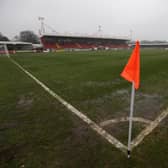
<point>70,42</point>
<point>14,46</point>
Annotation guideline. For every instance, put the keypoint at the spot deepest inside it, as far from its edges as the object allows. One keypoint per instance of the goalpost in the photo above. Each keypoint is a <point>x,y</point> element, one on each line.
<point>4,50</point>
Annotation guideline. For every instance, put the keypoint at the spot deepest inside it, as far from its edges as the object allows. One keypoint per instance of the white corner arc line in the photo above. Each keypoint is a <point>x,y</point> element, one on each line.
<point>124,119</point>
<point>87,120</point>
<point>149,129</point>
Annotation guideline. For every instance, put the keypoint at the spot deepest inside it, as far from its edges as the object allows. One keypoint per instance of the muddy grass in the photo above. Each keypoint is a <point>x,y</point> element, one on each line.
<point>6,126</point>
<point>25,101</point>
<point>101,83</point>
<point>100,109</point>
<point>7,154</point>
<point>120,130</point>
<point>148,106</point>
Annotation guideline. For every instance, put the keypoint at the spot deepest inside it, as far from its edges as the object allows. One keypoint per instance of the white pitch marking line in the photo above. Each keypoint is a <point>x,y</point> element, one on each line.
<point>149,129</point>
<point>124,119</point>
<point>87,120</point>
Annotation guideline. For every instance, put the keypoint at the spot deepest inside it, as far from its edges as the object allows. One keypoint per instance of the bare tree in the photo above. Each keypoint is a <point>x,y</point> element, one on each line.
<point>3,38</point>
<point>29,36</point>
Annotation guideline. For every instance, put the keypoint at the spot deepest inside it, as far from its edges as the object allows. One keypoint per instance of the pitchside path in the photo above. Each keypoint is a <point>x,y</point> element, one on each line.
<point>151,125</point>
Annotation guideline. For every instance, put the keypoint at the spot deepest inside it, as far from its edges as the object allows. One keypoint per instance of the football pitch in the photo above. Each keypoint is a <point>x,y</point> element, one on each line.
<point>37,130</point>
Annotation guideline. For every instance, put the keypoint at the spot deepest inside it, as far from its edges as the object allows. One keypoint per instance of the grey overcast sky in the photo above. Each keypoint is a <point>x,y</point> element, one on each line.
<point>147,19</point>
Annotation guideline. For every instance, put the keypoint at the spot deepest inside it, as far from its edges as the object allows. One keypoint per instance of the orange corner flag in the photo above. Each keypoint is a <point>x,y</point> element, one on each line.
<point>131,71</point>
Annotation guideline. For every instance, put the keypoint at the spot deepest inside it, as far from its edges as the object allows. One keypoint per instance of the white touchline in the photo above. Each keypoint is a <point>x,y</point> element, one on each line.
<point>87,120</point>
<point>149,129</point>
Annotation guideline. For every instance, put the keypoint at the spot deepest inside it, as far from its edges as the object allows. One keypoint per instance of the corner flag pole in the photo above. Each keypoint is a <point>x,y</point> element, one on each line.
<point>130,119</point>
<point>131,73</point>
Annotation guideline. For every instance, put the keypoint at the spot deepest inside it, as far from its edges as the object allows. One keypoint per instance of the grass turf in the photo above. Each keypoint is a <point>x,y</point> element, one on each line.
<point>37,131</point>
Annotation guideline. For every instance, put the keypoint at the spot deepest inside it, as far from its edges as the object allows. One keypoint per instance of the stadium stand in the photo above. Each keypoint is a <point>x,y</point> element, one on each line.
<point>56,42</point>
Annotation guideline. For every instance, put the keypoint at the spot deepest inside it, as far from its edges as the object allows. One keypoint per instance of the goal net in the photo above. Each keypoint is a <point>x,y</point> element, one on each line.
<point>4,50</point>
